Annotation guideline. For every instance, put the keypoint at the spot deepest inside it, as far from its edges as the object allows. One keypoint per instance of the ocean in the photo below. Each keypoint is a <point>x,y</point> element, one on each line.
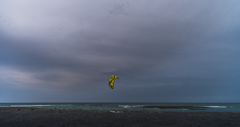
<point>212,107</point>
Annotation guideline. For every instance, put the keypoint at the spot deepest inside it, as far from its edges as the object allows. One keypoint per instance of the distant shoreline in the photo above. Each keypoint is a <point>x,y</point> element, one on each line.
<point>28,117</point>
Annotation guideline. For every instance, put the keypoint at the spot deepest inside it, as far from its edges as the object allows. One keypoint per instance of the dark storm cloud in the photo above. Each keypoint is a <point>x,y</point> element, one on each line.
<point>155,45</point>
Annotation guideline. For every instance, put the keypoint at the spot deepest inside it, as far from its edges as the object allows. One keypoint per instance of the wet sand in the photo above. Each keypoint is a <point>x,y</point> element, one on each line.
<point>34,117</point>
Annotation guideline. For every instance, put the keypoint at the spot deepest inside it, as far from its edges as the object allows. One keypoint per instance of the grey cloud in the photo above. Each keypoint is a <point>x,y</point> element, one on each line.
<point>144,43</point>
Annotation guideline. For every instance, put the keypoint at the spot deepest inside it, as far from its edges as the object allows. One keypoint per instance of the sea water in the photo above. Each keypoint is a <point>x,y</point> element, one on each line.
<point>214,107</point>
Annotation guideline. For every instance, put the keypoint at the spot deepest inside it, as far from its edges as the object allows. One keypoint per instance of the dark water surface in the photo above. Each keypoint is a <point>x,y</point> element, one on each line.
<point>215,107</point>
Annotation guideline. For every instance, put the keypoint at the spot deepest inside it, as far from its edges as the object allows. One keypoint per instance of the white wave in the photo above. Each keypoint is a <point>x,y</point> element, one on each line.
<point>112,111</point>
<point>138,106</point>
<point>125,106</point>
<point>215,106</point>
<point>130,106</point>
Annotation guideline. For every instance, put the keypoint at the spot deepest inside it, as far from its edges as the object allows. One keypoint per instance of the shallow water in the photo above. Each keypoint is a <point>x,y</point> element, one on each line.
<point>216,107</point>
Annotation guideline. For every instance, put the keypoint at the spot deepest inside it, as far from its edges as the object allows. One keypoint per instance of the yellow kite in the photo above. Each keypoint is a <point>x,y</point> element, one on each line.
<point>111,80</point>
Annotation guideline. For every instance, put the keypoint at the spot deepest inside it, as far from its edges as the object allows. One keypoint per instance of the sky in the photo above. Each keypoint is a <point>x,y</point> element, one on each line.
<point>161,50</point>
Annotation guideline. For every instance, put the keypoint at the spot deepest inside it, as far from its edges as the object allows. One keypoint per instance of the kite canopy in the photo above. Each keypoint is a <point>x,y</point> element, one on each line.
<point>111,80</point>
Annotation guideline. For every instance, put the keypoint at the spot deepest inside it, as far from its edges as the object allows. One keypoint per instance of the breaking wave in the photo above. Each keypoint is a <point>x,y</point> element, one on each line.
<point>130,106</point>
<point>215,106</point>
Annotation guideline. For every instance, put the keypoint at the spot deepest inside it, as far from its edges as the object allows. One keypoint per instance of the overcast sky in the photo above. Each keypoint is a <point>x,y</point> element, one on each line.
<point>161,50</point>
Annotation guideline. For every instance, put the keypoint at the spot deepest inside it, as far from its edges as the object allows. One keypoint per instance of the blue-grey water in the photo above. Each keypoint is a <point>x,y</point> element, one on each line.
<point>215,107</point>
